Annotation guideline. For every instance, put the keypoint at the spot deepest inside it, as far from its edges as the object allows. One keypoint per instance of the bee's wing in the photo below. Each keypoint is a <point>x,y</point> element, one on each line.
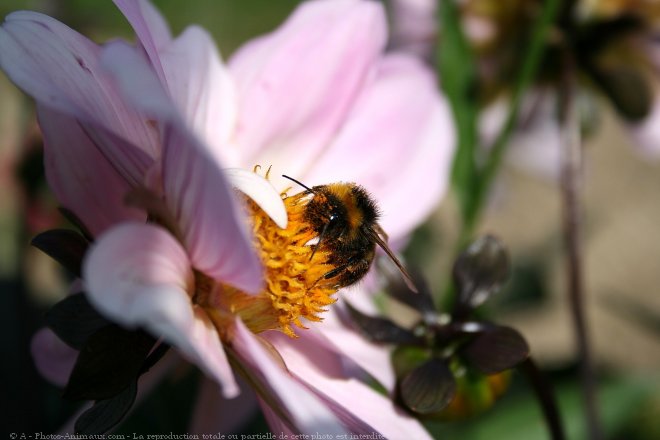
<point>381,239</point>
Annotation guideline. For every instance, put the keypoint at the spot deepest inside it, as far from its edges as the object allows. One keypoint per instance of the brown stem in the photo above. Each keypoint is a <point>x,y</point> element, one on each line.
<point>571,190</point>
<point>546,398</point>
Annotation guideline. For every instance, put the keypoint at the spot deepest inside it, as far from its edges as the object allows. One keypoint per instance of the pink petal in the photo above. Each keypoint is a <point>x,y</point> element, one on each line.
<point>261,191</point>
<point>215,414</point>
<point>191,70</point>
<point>296,85</point>
<point>646,134</point>
<point>52,357</point>
<point>213,226</point>
<point>60,69</point>
<point>138,275</point>
<point>307,413</point>
<point>150,27</point>
<point>136,81</point>
<point>362,409</point>
<point>83,180</point>
<point>275,422</point>
<point>202,89</point>
<point>400,140</point>
<point>372,358</point>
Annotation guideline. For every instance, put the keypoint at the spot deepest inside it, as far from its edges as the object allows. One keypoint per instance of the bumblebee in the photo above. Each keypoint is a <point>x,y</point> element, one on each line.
<point>345,220</point>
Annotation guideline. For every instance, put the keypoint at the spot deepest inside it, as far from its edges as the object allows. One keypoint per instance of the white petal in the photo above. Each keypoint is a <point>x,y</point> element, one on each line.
<point>261,191</point>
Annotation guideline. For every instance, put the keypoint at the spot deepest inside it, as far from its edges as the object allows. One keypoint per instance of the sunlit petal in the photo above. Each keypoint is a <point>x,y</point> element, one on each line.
<point>150,27</point>
<point>261,192</point>
<point>297,84</point>
<point>81,177</point>
<point>202,89</point>
<point>306,411</point>
<point>196,191</point>
<point>373,359</point>
<point>397,143</point>
<point>62,71</point>
<point>362,409</point>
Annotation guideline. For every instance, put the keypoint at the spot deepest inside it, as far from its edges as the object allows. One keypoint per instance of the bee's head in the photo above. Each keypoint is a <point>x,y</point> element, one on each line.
<point>339,208</point>
<point>330,212</point>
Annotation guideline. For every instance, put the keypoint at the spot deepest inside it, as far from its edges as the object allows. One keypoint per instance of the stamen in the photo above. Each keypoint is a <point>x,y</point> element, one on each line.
<point>294,273</point>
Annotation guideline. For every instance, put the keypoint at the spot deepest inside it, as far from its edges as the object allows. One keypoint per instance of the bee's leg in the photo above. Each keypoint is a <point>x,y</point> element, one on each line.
<point>336,271</point>
<point>332,273</point>
<point>348,273</point>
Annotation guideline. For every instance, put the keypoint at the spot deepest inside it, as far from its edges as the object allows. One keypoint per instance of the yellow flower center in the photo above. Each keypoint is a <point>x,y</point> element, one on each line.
<point>294,273</point>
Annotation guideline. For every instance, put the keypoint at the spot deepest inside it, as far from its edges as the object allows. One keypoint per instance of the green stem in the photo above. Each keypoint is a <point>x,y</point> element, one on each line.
<point>478,182</point>
<point>526,75</point>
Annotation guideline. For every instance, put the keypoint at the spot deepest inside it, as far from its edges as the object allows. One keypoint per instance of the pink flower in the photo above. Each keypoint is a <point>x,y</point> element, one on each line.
<point>316,99</point>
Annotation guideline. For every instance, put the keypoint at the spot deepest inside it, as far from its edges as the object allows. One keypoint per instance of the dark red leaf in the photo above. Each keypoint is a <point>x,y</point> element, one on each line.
<point>480,271</point>
<point>75,221</point>
<point>65,246</point>
<point>74,320</point>
<point>105,414</point>
<point>381,330</point>
<point>109,362</point>
<point>428,388</point>
<point>496,350</point>
<point>421,301</point>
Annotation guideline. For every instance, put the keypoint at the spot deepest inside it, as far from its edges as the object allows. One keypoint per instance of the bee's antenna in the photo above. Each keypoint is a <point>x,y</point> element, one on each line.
<point>299,183</point>
<point>406,276</point>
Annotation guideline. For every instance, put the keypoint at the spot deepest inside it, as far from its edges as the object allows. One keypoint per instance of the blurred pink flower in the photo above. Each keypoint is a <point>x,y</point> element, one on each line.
<point>316,99</point>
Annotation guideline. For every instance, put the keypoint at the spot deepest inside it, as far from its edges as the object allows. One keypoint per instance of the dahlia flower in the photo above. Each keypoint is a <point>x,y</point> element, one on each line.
<point>147,144</point>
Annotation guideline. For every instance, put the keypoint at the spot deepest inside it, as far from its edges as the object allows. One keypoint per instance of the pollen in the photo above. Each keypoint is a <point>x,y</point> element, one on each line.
<point>296,286</point>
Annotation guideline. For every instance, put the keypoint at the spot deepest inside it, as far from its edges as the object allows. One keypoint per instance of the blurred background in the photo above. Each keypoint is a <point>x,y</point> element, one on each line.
<point>622,255</point>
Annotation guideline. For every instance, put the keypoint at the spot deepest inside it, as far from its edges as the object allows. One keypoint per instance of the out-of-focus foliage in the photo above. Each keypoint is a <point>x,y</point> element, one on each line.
<point>518,417</point>
<point>230,22</point>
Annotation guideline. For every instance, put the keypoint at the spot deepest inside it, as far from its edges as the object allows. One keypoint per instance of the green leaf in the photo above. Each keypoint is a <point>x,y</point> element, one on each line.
<point>459,82</point>
<point>527,74</point>
<point>406,359</point>
<point>518,416</point>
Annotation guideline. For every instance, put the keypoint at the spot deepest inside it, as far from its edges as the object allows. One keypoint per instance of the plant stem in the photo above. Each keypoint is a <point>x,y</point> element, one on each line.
<point>480,188</point>
<point>546,398</point>
<point>571,190</point>
<point>526,75</point>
